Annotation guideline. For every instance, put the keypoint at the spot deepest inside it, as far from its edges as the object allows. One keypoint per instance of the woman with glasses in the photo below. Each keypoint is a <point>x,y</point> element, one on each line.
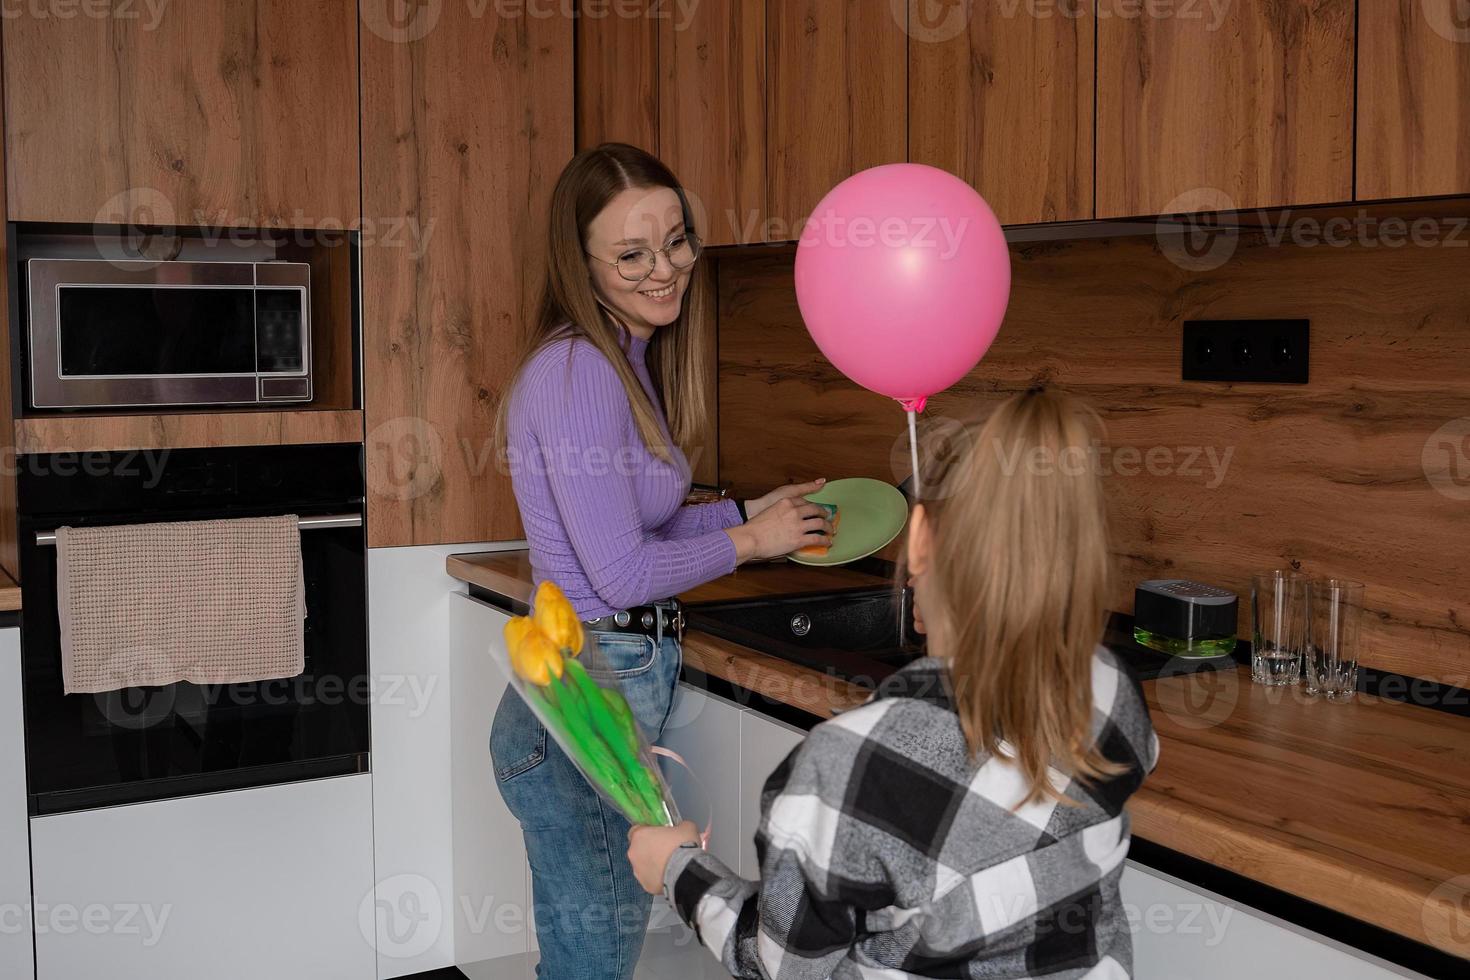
<point>609,393</point>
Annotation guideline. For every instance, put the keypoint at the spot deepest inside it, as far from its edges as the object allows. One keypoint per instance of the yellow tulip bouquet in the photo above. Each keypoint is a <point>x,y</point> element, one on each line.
<point>589,718</point>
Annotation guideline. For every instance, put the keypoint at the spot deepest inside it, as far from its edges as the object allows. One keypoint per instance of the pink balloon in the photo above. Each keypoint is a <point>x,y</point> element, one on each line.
<point>903,276</point>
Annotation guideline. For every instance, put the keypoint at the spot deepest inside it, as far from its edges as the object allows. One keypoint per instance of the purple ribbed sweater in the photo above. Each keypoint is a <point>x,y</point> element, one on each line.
<point>605,518</point>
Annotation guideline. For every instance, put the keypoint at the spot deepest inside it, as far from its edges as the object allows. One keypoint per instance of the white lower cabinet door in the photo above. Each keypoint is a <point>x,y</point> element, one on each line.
<point>269,882</point>
<point>1180,933</point>
<point>705,731</point>
<point>492,908</point>
<point>15,846</point>
<point>764,744</point>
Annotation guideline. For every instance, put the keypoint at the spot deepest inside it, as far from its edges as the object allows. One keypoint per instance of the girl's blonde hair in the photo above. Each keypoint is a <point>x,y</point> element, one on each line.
<point>1017,583</point>
<point>569,304</point>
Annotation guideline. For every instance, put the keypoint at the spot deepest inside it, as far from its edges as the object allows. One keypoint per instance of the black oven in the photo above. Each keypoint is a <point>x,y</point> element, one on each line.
<point>145,743</point>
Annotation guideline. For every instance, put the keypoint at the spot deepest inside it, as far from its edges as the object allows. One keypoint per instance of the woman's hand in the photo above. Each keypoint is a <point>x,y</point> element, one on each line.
<point>754,508</point>
<point>785,526</point>
<point>649,850</point>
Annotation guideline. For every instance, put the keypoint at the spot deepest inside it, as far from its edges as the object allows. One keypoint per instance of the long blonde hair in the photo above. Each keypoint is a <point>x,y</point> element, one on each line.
<point>570,307</point>
<point>1017,583</point>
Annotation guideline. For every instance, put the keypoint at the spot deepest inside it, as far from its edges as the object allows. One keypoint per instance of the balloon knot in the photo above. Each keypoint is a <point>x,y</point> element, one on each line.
<point>915,405</point>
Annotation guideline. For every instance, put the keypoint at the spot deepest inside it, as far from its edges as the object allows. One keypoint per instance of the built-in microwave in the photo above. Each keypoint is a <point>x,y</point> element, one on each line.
<point>121,332</point>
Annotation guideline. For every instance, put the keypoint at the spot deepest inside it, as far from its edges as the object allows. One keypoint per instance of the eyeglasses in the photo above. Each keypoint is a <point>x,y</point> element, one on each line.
<point>637,264</point>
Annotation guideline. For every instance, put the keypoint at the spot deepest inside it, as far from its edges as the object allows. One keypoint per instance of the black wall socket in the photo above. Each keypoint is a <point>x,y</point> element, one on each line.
<point>1264,351</point>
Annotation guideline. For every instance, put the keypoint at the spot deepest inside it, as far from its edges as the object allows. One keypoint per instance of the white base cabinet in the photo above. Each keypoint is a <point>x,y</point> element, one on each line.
<point>1180,933</point>
<point>493,935</point>
<point>269,882</point>
<point>733,750</point>
<point>15,847</point>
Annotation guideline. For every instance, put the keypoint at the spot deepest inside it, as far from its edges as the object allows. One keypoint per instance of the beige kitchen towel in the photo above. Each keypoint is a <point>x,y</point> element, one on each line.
<point>212,602</point>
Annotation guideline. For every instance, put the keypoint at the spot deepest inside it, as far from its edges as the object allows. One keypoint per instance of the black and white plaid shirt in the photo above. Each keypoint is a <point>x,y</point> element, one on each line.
<point>887,851</point>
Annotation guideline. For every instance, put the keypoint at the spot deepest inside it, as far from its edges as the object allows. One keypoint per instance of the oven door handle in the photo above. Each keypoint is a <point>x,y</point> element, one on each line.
<point>324,522</point>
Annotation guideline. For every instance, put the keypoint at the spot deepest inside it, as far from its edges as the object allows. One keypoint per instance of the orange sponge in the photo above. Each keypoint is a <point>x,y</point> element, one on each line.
<point>820,550</point>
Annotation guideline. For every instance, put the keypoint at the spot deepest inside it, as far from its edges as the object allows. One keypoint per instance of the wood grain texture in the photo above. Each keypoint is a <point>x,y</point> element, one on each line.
<point>9,504</point>
<point>704,453</point>
<point>1333,477</point>
<point>508,573</point>
<point>1007,104</point>
<point>241,113</point>
<point>712,115</point>
<point>780,680</point>
<point>1247,107</point>
<point>87,433</point>
<point>836,79</point>
<point>464,131</point>
<point>618,72</point>
<point>1362,807</point>
<point>10,597</point>
<point>1413,98</point>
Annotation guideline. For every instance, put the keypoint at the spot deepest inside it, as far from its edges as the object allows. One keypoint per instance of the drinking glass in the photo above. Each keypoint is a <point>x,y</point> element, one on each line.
<point>1278,627</point>
<point>1333,637</point>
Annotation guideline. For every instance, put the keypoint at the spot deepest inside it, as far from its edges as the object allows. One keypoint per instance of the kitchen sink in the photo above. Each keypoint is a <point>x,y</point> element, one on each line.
<point>861,635</point>
<point>864,635</point>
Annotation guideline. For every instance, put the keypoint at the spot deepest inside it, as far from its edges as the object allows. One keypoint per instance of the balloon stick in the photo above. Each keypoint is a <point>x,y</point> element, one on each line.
<point>914,454</point>
<point>914,406</point>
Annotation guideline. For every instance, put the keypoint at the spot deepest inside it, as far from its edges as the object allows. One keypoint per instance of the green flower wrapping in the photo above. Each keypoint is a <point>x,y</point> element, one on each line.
<point>593,725</point>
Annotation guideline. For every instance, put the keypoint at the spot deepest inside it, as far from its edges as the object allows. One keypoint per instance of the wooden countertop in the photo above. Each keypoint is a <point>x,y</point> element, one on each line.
<point>9,594</point>
<point>1362,807</point>
<point>508,573</point>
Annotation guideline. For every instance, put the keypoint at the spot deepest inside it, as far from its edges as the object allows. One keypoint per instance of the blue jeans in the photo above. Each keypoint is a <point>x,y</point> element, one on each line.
<point>591,913</point>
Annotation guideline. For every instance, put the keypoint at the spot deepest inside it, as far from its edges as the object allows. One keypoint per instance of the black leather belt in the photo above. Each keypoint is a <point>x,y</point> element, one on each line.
<point>658,620</point>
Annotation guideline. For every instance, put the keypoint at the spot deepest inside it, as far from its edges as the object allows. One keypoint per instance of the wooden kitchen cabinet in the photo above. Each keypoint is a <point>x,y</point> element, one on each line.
<point>1006,102</point>
<point>712,107</point>
<point>836,78</point>
<point>618,73</point>
<point>217,114</point>
<point>1413,98</point>
<point>1236,106</point>
<point>465,128</point>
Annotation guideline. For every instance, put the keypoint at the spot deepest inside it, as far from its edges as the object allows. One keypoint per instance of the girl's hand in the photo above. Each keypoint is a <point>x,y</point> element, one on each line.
<point>785,526</point>
<point>754,508</point>
<point>649,850</point>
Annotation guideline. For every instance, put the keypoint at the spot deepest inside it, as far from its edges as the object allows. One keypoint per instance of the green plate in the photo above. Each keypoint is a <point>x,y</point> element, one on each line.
<point>873,512</point>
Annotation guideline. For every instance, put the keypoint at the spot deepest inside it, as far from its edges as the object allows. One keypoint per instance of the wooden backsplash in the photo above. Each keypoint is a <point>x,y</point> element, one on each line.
<point>1329,477</point>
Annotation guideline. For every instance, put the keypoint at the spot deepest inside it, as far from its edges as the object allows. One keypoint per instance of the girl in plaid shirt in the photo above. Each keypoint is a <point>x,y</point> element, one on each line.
<point>968,820</point>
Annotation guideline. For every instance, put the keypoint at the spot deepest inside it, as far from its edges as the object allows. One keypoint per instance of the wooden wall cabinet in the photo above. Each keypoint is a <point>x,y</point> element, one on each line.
<point>465,128</point>
<point>218,114</point>
<point>759,106</point>
<point>836,82</point>
<point>1413,98</point>
<point>686,83</point>
<point>1244,106</point>
<point>712,127</point>
<point>618,74</point>
<point>1007,104</point>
